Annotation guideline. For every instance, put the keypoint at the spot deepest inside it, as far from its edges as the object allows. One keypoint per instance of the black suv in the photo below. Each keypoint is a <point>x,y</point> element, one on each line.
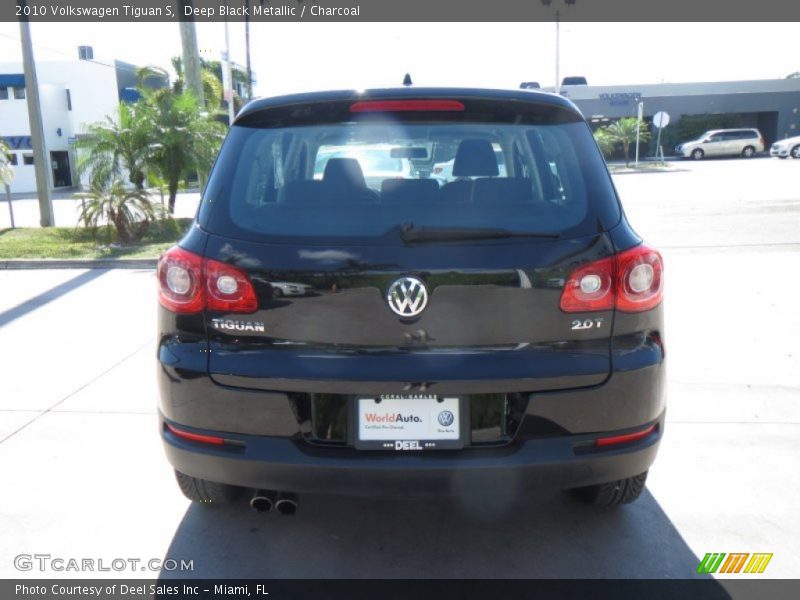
<point>339,321</point>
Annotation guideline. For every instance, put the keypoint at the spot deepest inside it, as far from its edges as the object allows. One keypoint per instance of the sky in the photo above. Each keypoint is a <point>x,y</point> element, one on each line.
<point>292,57</point>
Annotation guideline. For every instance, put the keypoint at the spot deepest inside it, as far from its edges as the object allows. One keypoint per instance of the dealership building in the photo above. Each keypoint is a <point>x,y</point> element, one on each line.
<point>73,94</point>
<point>771,105</point>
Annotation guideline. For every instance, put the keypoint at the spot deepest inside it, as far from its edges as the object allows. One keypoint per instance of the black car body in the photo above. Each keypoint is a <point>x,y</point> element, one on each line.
<point>488,331</point>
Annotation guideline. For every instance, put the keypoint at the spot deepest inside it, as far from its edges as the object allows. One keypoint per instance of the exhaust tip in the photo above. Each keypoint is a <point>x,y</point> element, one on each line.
<point>286,504</point>
<point>262,501</point>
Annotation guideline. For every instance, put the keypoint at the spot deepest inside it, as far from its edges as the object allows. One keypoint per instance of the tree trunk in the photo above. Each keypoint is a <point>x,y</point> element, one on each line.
<point>627,148</point>
<point>121,225</point>
<point>173,193</point>
<point>138,180</point>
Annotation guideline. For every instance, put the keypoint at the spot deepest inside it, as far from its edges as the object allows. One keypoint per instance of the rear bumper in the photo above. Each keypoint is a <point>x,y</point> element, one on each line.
<point>273,453</point>
<point>292,465</point>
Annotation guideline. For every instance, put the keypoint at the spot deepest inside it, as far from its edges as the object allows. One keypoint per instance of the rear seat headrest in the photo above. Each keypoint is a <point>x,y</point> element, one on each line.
<point>344,173</point>
<point>475,158</point>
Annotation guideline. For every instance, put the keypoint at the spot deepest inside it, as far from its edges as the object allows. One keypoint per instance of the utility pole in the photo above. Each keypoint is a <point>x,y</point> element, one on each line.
<point>247,51</point>
<point>10,205</point>
<point>40,162</point>
<point>558,51</point>
<point>546,4</point>
<point>227,76</point>
<point>191,57</point>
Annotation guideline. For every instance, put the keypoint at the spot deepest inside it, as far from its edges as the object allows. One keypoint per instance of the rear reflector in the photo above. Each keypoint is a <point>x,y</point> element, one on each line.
<point>406,106</point>
<point>196,437</point>
<point>625,438</point>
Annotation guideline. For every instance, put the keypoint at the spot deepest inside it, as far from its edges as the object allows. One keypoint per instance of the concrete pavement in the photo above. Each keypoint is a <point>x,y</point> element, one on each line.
<point>86,474</point>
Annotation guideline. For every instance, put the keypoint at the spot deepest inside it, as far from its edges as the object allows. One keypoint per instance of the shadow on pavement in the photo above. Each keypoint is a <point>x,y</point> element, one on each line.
<point>54,293</point>
<point>547,536</point>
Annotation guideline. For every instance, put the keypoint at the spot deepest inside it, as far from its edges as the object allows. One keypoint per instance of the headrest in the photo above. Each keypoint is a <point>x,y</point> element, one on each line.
<point>344,173</point>
<point>475,158</point>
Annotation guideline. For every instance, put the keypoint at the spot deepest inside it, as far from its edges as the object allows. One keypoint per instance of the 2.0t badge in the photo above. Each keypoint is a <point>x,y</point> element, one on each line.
<point>407,296</point>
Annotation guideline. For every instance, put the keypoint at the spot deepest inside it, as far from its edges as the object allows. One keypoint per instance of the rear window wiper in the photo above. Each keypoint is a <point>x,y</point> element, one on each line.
<point>411,234</point>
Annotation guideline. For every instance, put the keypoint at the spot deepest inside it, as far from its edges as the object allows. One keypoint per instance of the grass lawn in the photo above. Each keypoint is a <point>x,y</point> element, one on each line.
<point>76,242</point>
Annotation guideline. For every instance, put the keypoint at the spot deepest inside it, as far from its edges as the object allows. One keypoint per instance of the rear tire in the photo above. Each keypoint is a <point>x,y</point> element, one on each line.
<point>748,152</point>
<point>697,154</point>
<point>614,493</point>
<point>203,491</point>
<point>795,152</point>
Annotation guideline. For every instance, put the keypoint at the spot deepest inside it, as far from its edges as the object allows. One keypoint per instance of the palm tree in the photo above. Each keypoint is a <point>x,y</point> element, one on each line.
<point>186,140</point>
<point>130,211</point>
<point>604,141</point>
<point>624,132</point>
<point>112,147</point>
<point>210,81</point>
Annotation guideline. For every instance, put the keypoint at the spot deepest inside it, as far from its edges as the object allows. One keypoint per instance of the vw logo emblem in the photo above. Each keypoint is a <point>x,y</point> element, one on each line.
<point>446,418</point>
<point>407,297</point>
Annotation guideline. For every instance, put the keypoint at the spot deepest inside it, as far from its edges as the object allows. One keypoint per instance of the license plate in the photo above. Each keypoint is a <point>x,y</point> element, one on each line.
<point>409,422</point>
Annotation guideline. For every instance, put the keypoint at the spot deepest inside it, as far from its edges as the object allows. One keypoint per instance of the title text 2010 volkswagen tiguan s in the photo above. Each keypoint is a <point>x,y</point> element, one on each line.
<point>442,337</point>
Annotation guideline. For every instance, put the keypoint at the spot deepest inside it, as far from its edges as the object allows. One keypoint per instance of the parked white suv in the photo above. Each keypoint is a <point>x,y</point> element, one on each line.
<point>723,142</point>
<point>785,148</point>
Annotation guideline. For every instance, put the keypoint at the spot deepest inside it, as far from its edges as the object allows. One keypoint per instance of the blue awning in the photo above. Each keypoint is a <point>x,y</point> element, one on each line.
<point>129,95</point>
<point>12,80</point>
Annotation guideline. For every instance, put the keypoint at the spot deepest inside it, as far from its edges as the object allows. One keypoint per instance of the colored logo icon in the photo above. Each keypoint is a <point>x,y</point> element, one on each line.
<point>717,562</point>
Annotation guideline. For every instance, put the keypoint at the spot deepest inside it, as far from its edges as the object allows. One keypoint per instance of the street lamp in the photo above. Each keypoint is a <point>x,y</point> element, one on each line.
<point>546,4</point>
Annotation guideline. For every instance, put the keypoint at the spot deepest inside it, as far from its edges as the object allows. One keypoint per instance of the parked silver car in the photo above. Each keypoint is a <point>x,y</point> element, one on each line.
<point>785,148</point>
<point>723,142</point>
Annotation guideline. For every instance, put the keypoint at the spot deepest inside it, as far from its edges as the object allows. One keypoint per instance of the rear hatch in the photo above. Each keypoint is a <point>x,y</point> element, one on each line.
<point>372,277</point>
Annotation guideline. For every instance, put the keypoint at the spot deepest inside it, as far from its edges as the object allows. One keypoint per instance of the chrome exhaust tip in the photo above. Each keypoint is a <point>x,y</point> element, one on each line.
<point>286,504</point>
<point>262,501</point>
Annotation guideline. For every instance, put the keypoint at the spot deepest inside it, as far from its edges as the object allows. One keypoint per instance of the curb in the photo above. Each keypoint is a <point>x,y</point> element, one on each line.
<point>86,263</point>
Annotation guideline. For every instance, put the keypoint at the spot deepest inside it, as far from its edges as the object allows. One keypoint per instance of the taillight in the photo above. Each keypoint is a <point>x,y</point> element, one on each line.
<point>180,279</point>
<point>590,287</point>
<point>190,284</point>
<point>229,289</point>
<point>631,281</point>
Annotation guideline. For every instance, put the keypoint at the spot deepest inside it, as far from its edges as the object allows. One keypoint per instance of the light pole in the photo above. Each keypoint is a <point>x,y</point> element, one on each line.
<point>40,162</point>
<point>547,3</point>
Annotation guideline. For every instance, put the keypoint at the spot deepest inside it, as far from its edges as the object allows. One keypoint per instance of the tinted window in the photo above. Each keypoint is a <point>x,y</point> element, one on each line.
<point>340,180</point>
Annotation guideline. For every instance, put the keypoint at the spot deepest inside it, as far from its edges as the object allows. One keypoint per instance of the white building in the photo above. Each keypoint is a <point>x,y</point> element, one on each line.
<point>73,94</point>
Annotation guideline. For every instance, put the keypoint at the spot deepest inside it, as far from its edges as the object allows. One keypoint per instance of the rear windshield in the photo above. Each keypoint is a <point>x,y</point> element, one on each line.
<point>372,178</point>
